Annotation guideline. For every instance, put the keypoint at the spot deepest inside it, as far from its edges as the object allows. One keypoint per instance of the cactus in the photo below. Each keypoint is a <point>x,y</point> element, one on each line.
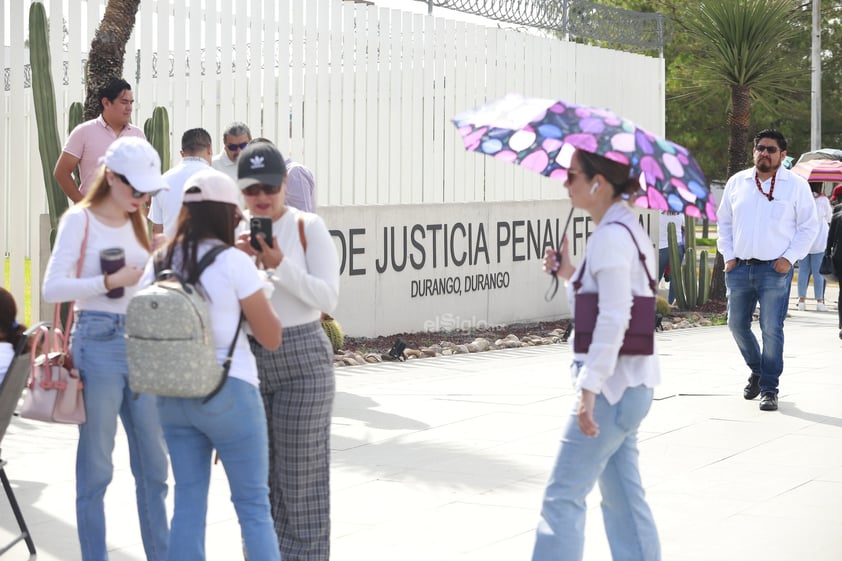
<point>704,278</point>
<point>676,276</point>
<point>74,115</point>
<point>74,118</point>
<point>691,282</point>
<point>662,306</point>
<point>333,331</point>
<point>43,94</point>
<point>157,131</point>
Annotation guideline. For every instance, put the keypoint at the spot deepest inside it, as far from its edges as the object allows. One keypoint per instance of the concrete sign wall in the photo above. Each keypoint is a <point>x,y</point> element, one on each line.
<point>450,266</point>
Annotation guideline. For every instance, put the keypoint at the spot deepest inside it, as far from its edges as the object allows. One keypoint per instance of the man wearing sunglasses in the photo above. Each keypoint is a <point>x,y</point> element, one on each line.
<point>89,141</point>
<point>234,140</point>
<point>767,222</point>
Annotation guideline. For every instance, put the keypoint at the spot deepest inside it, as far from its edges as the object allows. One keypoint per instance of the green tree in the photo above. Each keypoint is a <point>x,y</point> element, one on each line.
<point>108,50</point>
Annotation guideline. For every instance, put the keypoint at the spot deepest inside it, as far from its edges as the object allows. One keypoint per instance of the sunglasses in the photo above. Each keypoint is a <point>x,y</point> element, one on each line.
<point>235,147</point>
<point>135,193</point>
<point>571,175</point>
<point>254,190</point>
<point>770,149</point>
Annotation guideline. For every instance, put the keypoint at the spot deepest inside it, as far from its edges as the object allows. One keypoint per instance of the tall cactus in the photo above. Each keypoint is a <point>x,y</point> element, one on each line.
<point>43,94</point>
<point>676,276</point>
<point>157,131</point>
<point>691,283</point>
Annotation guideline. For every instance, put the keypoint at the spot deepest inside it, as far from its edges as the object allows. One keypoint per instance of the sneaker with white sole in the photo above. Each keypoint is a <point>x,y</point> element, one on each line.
<point>820,307</point>
<point>802,306</point>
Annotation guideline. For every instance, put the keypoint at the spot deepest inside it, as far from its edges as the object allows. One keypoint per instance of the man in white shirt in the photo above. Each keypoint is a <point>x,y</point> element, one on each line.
<point>767,222</point>
<point>196,155</point>
<point>234,140</point>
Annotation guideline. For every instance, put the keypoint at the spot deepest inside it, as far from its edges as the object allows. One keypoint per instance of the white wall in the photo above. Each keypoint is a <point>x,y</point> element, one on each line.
<point>441,277</point>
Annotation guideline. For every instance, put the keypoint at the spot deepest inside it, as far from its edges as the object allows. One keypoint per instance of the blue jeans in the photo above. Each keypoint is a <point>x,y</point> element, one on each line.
<point>663,261</point>
<point>610,458</point>
<point>99,352</point>
<point>234,423</point>
<point>807,267</point>
<point>747,285</point>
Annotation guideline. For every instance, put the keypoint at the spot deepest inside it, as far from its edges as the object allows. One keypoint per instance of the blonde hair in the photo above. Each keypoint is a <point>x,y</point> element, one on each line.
<point>99,191</point>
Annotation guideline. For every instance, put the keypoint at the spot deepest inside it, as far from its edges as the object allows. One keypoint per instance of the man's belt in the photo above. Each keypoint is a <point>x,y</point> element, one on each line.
<point>755,261</point>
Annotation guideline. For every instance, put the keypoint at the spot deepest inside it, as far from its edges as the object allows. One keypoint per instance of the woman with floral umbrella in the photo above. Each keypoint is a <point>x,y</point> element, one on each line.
<point>614,390</point>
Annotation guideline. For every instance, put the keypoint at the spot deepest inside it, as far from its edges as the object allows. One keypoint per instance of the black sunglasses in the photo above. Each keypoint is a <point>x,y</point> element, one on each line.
<point>770,149</point>
<point>235,147</point>
<point>135,193</point>
<point>254,190</point>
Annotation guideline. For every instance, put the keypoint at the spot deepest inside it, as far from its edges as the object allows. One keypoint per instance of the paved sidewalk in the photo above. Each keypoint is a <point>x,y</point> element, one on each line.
<point>445,459</point>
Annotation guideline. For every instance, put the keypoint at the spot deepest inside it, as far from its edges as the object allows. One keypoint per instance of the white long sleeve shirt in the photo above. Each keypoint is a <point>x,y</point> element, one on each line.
<point>306,284</point>
<point>613,269</point>
<point>60,282</point>
<point>753,227</point>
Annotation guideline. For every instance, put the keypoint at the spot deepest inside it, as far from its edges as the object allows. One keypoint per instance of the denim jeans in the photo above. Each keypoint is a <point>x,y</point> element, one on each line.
<point>807,267</point>
<point>99,352</point>
<point>663,261</point>
<point>611,459</point>
<point>234,423</point>
<point>747,285</point>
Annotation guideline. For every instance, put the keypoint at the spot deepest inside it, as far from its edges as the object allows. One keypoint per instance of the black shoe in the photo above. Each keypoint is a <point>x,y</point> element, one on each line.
<point>769,401</point>
<point>752,390</point>
<point>840,333</point>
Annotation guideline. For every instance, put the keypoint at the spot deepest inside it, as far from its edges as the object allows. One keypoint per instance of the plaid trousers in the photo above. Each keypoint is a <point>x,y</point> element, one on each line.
<point>297,383</point>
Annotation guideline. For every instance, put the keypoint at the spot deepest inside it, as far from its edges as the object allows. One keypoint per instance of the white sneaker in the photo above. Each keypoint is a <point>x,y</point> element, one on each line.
<point>802,306</point>
<point>820,307</point>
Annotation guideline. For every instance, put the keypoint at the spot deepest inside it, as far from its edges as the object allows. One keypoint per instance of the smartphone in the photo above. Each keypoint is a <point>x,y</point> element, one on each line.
<point>260,225</point>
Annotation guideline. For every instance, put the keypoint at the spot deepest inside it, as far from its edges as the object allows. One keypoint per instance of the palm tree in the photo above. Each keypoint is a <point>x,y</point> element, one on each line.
<point>740,60</point>
<point>108,50</point>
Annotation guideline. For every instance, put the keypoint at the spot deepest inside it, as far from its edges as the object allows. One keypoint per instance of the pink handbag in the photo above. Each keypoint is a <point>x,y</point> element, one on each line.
<point>640,335</point>
<point>54,391</point>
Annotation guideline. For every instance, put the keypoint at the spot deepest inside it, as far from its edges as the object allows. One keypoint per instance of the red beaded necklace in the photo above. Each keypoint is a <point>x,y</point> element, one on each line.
<point>771,187</point>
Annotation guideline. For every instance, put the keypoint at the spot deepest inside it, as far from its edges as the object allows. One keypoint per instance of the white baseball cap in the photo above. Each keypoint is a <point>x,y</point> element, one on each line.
<point>136,160</point>
<point>211,185</point>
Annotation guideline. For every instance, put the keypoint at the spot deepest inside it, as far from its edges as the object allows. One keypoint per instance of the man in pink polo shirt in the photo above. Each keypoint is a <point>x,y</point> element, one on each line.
<point>89,140</point>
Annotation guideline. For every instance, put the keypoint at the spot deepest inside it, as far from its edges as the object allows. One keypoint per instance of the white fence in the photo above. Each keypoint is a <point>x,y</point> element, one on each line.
<point>362,95</point>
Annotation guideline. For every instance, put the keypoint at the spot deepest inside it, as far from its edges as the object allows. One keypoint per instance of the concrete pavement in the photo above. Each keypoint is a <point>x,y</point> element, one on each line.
<point>445,459</point>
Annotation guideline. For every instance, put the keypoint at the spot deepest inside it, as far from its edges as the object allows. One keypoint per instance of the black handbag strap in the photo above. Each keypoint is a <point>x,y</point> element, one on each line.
<point>577,283</point>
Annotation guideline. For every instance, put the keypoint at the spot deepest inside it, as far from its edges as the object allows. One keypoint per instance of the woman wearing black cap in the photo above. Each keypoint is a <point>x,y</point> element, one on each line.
<point>297,380</point>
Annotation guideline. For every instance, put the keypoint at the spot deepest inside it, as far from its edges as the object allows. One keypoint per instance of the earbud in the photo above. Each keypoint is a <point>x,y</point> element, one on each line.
<point>594,187</point>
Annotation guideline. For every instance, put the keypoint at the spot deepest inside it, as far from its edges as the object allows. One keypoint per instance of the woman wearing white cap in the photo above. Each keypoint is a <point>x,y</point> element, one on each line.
<point>108,218</point>
<point>232,421</point>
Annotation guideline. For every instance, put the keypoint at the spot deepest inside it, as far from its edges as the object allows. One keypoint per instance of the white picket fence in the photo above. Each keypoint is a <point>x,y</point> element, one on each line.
<point>362,95</point>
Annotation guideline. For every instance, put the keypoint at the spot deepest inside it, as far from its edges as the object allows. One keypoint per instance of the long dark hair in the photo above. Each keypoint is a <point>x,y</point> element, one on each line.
<point>203,220</point>
<point>10,330</point>
<point>615,173</point>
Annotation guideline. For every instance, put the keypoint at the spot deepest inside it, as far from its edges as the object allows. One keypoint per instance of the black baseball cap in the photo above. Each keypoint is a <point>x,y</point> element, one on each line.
<point>260,162</point>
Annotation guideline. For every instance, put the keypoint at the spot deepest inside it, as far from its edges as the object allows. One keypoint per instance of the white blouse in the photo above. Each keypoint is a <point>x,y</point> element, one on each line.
<point>613,269</point>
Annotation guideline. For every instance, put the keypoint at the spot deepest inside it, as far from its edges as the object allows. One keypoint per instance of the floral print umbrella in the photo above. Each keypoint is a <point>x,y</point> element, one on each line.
<point>542,134</point>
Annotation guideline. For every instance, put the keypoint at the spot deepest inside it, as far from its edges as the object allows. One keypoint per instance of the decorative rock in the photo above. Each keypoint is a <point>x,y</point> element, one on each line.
<point>412,353</point>
<point>482,343</point>
<point>460,350</point>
